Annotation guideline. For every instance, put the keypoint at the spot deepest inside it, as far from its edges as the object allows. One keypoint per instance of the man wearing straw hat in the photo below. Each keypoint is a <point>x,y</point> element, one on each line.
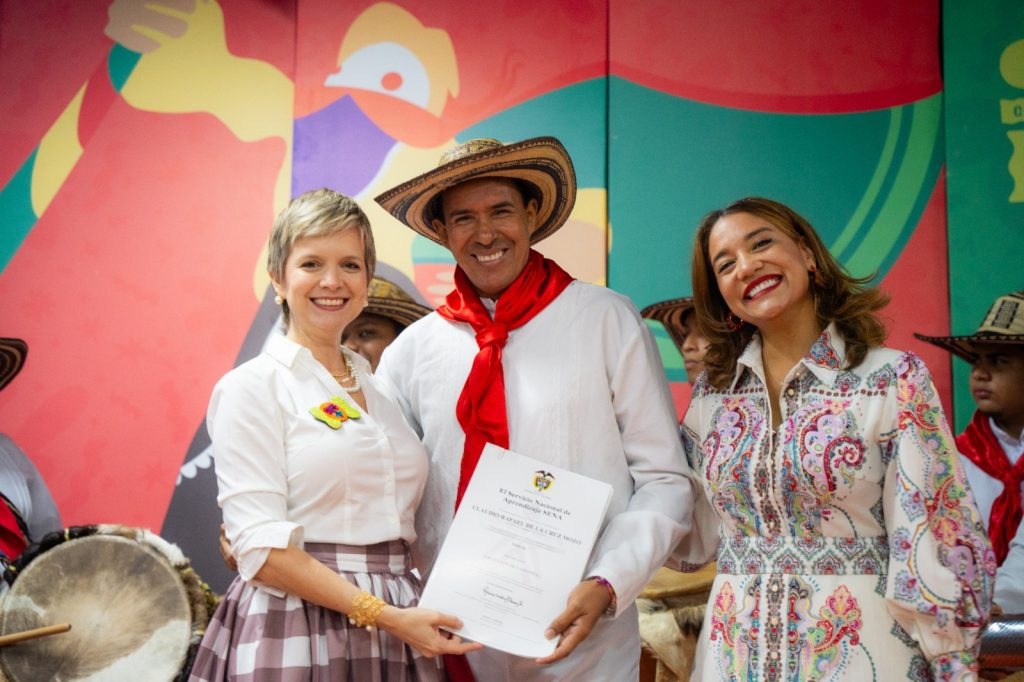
<point>524,357</point>
<point>679,320</point>
<point>673,603</point>
<point>993,443</point>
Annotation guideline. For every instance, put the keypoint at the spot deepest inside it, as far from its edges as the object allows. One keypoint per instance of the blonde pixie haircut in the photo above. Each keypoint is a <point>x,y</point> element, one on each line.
<point>316,213</point>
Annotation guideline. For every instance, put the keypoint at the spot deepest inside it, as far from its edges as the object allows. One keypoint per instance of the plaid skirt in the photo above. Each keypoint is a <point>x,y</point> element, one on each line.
<point>255,636</point>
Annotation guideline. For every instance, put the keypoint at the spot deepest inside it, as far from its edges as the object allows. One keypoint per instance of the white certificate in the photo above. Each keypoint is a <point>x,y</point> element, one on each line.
<point>518,544</point>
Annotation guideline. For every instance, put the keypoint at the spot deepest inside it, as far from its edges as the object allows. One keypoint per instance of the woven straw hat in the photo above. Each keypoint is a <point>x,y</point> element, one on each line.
<point>671,313</point>
<point>389,300</point>
<point>541,162</point>
<point>1004,323</point>
<point>12,357</point>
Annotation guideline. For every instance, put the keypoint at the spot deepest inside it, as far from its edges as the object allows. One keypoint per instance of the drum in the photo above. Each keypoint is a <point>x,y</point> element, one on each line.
<point>671,608</point>
<point>136,608</point>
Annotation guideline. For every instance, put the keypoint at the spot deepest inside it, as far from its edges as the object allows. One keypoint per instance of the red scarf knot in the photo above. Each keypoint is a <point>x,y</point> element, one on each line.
<point>495,334</point>
<point>481,409</point>
<point>979,444</point>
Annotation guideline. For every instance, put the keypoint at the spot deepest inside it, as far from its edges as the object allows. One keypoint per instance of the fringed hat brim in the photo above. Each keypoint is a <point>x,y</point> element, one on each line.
<point>671,313</point>
<point>963,346</point>
<point>541,161</point>
<point>402,312</point>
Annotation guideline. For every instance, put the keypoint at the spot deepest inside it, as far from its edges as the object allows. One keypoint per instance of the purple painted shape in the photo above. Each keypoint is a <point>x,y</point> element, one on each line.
<point>338,147</point>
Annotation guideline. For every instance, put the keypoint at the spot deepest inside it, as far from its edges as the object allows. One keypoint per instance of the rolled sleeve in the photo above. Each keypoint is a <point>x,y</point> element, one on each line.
<point>247,428</point>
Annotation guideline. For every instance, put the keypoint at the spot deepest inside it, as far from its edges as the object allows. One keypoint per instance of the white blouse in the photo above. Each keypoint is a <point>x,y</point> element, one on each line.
<point>286,477</point>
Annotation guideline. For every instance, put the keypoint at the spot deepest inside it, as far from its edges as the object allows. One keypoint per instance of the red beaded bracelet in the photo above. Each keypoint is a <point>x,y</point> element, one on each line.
<point>611,593</point>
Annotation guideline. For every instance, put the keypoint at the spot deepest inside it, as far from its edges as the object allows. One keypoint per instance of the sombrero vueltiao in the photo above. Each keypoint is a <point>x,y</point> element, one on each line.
<point>389,300</point>
<point>12,357</point>
<point>540,161</point>
<point>671,313</point>
<point>1004,323</point>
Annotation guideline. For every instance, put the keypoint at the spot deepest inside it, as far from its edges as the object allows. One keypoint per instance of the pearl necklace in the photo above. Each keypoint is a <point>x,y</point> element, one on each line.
<point>350,375</point>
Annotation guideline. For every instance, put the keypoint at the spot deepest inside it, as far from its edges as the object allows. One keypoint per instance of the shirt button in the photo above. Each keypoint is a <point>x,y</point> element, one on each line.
<point>775,588</point>
<point>791,391</point>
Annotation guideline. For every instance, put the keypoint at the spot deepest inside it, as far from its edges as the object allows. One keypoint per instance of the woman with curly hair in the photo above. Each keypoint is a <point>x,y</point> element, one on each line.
<point>849,545</point>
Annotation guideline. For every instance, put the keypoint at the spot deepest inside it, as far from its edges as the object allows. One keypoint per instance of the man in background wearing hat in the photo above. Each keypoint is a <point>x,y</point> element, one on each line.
<point>27,509</point>
<point>524,357</point>
<point>680,321</point>
<point>673,603</point>
<point>389,310</point>
<point>992,444</point>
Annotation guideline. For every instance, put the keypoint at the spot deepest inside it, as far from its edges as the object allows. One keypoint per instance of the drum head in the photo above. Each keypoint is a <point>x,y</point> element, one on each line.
<point>128,610</point>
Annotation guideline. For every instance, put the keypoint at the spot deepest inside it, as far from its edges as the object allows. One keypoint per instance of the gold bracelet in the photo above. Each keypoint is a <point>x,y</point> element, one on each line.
<point>365,609</point>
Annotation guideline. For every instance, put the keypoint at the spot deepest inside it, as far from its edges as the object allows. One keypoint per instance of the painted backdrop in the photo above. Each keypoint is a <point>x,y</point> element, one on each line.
<point>147,147</point>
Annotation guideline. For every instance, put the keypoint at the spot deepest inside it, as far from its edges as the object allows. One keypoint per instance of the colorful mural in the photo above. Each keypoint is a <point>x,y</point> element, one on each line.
<point>148,145</point>
<point>984,57</point>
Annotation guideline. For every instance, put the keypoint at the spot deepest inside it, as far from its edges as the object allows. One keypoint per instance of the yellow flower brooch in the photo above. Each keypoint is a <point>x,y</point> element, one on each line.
<point>334,412</point>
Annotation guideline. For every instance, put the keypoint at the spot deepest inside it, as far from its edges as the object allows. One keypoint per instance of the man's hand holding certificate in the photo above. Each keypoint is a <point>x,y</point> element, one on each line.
<point>517,547</point>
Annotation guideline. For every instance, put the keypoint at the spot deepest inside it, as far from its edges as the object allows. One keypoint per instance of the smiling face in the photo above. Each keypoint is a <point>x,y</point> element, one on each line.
<point>324,281</point>
<point>761,271</point>
<point>369,334</point>
<point>487,227</point>
<point>997,384</point>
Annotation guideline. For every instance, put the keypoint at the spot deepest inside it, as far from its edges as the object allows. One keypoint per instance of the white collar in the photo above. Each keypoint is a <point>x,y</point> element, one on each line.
<point>1013,447</point>
<point>824,360</point>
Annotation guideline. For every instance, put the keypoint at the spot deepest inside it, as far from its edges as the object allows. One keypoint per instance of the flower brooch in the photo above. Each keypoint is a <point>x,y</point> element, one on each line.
<point>335,412</point>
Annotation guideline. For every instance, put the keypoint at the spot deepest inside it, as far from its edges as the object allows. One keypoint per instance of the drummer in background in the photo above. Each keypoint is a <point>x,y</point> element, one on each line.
<point>680,322</point>
<point>319,478</point>
<point>27,509</point>
<point>389,311</point>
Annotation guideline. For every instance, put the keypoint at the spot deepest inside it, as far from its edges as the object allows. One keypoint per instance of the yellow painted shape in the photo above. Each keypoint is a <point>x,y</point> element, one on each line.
<point>581,245</point>
<point>1011,64</point>
<point>195,73</point>
<point>1016,166</point>
<point>59,151</point>
<point>1011,111</point>
<point>387,22</point>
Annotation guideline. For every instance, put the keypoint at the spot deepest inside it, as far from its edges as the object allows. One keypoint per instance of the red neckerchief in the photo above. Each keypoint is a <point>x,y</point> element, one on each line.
<point>979,444</point>
<point>456,668</point>
<point>13,532</point>
<point>481,408</point>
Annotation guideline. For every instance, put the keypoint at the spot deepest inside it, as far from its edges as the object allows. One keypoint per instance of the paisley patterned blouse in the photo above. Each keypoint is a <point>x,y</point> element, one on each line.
<point>849,544</point>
